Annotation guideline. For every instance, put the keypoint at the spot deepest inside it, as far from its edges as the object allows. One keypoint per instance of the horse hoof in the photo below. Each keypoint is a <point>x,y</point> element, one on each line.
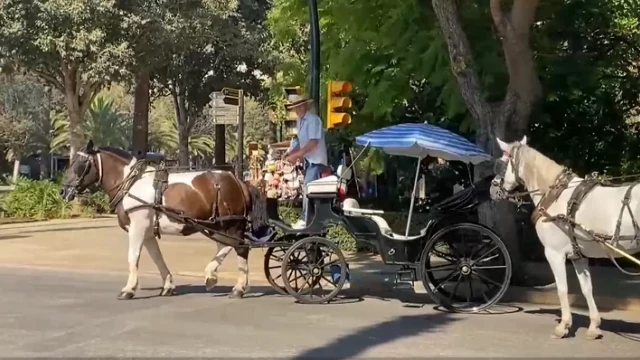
<point>210,283</point>
<point>168,292</point>
<point>594,334</point>
<point>236,294</point>
<point>125,295</point>
<point>560,333</point>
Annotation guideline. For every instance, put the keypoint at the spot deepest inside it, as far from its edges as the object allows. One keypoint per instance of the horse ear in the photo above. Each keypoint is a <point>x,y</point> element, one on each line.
<point>503,145</point>
<point>89,146</point>
<point>524,140</point>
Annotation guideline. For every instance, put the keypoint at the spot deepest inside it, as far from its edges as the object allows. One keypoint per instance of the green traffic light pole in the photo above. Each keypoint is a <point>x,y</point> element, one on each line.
<point>315,53</point>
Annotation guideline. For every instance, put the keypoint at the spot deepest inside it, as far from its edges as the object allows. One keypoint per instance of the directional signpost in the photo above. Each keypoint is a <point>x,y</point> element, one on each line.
<point>228,109</point>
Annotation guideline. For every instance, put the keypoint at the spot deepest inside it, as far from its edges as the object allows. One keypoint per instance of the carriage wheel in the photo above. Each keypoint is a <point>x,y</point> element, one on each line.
<point>307,270</point>
<point>273,259</point>
<point>465,268</point>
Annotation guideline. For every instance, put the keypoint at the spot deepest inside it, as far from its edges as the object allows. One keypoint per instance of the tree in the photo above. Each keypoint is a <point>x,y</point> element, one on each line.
<point>74,45</point>
<point>24,112</point>
<point>507,118</point>
<point>225,49</point>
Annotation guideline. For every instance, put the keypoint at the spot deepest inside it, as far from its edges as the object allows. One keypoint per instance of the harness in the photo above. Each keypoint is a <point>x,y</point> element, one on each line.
<point>581,191</point>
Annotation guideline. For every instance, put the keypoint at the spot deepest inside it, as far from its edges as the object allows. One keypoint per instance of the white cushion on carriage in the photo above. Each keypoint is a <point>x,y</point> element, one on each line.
<point>325,185</point>
<point>349,205</point>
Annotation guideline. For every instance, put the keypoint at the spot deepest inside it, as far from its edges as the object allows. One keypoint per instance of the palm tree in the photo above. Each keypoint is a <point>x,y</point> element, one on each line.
<point>103,123</point>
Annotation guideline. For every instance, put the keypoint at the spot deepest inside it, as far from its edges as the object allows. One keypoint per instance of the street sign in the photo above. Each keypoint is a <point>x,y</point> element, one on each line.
<point>223,114</point>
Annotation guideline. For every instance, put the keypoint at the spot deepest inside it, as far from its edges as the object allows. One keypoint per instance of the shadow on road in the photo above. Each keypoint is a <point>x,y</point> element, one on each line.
<point>13,236</point>
<point>352,345</point>
<point>218,291</point>
<point>625,329</point>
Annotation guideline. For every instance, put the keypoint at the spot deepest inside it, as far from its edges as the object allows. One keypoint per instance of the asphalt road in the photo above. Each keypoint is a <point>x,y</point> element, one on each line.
<point>52,313</point>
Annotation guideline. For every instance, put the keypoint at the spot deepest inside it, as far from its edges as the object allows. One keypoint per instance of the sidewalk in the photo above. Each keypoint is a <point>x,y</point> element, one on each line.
<point>99,245</point>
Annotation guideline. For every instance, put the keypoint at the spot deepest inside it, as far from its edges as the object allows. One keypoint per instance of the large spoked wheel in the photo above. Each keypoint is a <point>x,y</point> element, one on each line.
<point>465,268</point>
<point>273,259</point>
<point>306,270</point>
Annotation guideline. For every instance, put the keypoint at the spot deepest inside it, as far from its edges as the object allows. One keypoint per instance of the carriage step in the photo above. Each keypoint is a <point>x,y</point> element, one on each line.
<point>405,279</point>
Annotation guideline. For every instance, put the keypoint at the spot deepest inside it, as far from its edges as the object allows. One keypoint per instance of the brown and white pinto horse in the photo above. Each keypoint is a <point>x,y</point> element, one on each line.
<point>204,195</point>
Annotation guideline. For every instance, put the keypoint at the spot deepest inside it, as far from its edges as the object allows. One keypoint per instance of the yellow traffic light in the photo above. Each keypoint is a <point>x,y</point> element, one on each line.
<point>338,103</point>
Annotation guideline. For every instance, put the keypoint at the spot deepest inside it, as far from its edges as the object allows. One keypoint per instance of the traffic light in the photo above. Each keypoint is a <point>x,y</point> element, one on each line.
<point>338,103</point>
<point>293,93</point>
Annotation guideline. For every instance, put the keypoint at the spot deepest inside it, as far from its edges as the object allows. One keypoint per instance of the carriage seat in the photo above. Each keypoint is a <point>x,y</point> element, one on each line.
<point>351,207</point>
<point>154,157</point>
<point>325,186</point>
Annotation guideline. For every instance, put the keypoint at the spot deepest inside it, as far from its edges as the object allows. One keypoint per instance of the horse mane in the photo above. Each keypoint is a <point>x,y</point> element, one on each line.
<point>123,154</point>
<point>538,168</point>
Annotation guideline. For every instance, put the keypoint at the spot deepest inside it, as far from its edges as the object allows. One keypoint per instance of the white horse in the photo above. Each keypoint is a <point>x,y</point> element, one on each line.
<point>599,212</point>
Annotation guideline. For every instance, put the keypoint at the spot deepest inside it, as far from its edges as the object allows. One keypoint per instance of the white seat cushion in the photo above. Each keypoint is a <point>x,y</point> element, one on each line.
<point>325,185</point>
<point>350,203</point>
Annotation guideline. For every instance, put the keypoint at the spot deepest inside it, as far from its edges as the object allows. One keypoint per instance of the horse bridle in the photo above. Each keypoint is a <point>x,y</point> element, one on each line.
<point>92,159</point>
<point>500,168</point>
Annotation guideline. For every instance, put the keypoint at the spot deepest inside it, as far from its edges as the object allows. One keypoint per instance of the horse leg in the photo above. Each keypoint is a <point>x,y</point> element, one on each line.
<point>242,286</point>
<point>211,271</point>
<point>556,261</point>
<point>584,277</point>
<point>152,246</point>
<point>137,234</point>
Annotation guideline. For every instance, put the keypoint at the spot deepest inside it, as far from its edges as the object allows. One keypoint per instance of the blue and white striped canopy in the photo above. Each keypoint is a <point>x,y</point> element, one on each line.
<point>422,140</point>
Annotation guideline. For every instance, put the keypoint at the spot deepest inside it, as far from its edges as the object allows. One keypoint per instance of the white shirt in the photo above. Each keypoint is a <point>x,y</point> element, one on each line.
<point>309,128</point>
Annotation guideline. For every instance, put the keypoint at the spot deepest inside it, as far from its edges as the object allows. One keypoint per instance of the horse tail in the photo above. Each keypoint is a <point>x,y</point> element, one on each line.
<point>259,215</point>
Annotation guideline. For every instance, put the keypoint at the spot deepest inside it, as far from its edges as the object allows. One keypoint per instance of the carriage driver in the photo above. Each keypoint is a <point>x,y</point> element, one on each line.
<point>311,147</point>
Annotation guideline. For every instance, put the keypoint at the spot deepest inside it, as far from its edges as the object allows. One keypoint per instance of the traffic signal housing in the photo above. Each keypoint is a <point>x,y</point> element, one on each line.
<point>338,103</point>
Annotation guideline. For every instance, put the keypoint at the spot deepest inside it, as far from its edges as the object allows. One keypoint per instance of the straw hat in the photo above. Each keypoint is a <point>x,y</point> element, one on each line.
<point>295,101</point>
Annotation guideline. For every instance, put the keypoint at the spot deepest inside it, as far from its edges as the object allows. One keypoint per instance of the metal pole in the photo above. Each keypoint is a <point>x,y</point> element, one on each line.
<point>315,53</point>
<point>219,151</point>
<point>413,196</point>
<point>240,156</point>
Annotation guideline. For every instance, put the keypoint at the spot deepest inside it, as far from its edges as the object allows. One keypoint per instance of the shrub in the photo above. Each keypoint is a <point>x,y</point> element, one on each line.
<point>39,199</point>
<point>35,199</point>
<point>335,233</point>
<point>94,204</point>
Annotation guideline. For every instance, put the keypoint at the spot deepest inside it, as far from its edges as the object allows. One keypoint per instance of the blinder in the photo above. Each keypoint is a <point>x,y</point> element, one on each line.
<point>69,190</point>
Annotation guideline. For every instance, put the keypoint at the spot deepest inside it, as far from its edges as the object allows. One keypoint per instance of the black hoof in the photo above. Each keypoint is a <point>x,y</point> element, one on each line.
<point>236,294</point>
<point>168,292</point>
<point>125,295</point>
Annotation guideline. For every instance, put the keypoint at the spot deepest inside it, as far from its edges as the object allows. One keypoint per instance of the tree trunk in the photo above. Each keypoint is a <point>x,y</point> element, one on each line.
<point>183,148</point>
<point>140,133</point>
<point>16,168</point>
<point>45,163</point>
<point>76,135</point>
<point>508,119</point>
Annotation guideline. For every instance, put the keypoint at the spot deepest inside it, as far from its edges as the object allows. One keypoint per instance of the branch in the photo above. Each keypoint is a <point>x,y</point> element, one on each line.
<point>461,58</point>
<point>50,78</point>
<point>89,92</point>
<point>523,14</point>
<point>499,19</point>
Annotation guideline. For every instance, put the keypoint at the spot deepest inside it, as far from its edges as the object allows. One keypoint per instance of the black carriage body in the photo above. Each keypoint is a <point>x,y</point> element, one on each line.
<point>327,212</point>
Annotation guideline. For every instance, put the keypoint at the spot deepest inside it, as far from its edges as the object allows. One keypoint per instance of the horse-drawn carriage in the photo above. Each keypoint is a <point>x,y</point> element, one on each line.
<point>463,265</point>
